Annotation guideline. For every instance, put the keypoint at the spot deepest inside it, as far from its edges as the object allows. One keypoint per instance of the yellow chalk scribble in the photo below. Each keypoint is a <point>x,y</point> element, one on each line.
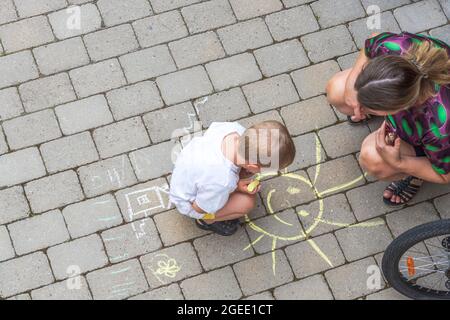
<point>166,266</point>
<point>318,220</point>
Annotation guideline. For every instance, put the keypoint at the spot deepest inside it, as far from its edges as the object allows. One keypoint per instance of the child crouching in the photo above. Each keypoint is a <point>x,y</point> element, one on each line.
<point>209,181</point>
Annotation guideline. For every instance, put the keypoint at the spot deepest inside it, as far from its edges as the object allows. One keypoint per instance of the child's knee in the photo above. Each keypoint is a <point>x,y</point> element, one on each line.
<point>249,203</point>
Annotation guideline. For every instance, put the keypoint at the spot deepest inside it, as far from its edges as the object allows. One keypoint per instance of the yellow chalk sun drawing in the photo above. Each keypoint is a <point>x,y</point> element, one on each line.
<point>304,234</point>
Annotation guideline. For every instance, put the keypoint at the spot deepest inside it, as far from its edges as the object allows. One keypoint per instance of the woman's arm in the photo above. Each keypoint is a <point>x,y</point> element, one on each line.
<point>420,167</point>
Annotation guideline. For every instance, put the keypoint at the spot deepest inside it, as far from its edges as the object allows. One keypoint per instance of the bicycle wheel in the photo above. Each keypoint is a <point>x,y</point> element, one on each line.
<point>417,263</point>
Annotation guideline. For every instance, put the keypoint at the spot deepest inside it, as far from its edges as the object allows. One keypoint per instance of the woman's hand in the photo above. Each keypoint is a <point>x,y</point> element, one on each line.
<point>390,154</point>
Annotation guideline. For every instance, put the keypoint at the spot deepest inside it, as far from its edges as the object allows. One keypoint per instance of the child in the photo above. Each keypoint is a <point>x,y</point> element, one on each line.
<point>209,183</point>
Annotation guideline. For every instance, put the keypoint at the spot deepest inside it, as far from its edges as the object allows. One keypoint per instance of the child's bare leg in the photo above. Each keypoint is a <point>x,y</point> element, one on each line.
<point>239,204</point>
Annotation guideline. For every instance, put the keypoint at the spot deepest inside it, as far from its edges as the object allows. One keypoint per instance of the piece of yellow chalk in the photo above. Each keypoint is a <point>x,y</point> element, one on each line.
<point>252,186</point>
<point>209,216</point>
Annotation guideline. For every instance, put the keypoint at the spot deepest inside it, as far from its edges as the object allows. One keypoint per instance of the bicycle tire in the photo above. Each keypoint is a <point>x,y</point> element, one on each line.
<point>400,246</point>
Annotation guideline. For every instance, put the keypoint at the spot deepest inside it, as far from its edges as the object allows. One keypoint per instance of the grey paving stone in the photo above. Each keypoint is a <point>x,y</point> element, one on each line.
<point>3,145</point>
<point>270,93</point>
<point>406,219</point>
<point>54,191</point>
<point>343,139</point>
<point>184,85</point>
<point>281,57</point>
<point>25,164</point>
<point>144,200</point>
<point>147,63</point>
<point>246,9</point>
<point>170,265</point>
<point>6,248</point>
<point>24,296</point>
<point>329,14</point>
<point>164,5</point>
<point>350,281</point>
<point>86,254</point>
<point>114,139</point>
<point>107,175</point>
<point>219,284</point>
<point>388,294</point>
<point>171,122</point>
<point>280,230</point>
<point>46,92</point>
<point>307,147</point>
<point>83,114</point>
<point>306,260</point>
<point>134,100</point>
<point>337,175</point>
<point>111,42</point>
<point>174,227</point>
<point>348,61</point>
<point>216,251</point>
<point>366,201</point>
<point>17,68</point>
<point>443,206</point>
<point>442,33</point>
<point>172,292</point>
<point>131,240</point>
<point>31,129</point>
<point>361,31</point>
<point>25,34</point>
<point>24,273</point>
<point>27,235</point>
<point>420,16</point>
<point>384,4</point>
<point>96,78</point>
<point>261,117</point>
<point>191,51</point>
<point>27,8</point>
<point>233,71</point>
<point>335,214</point>
<point>90,20</point>
<point>144,161</point>
<point>63,291</point>
<point>69,152</point>
<point>91,216</point>
<point>13,205</point>
<point>118,11</point>
<point>329,43</point>
<point>270,273</point>
<point>208,15</point>
<point>8,12</point>
<point>287,191</point>
<point>160,28</point>
<point>446,6</point>
<point>246,35</point>
<point>308,115</point>
<point>292,23</point>
<point>370,240</point>
<point>313,288</point>
<point>266,295</point>
<point>223,106</point>
<point>312,81</point>
<point>119,281</point>
<point>11,104</point>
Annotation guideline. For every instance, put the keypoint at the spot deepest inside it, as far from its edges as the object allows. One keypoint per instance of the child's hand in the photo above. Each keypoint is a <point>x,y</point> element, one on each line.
<point>243,186</point>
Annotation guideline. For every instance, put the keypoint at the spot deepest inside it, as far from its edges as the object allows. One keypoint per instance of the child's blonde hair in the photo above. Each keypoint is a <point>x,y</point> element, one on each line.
<point>269,139</point>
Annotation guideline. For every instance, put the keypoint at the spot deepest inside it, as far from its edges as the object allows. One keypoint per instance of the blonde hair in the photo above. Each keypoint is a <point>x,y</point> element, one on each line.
<point>260,138</point>
<point>394,83</point>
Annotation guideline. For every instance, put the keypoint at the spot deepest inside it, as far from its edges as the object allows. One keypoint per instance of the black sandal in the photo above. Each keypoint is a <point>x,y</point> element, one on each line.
<point>224,228</point>
<point>406,189</point>
<point>363,121</point>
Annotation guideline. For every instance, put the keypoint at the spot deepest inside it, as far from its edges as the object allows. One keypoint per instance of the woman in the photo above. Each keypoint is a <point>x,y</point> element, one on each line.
<point>404,77</point>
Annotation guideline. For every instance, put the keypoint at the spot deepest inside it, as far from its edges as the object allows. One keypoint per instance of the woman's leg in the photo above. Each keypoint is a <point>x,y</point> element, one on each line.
<point>335,92</point>
<point>239,204</point>
<point>373,163</point>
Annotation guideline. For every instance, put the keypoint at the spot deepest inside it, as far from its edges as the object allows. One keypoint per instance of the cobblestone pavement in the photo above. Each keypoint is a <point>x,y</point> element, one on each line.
<point>87,113</point>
